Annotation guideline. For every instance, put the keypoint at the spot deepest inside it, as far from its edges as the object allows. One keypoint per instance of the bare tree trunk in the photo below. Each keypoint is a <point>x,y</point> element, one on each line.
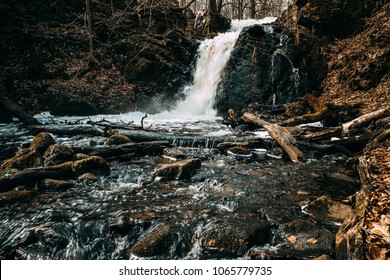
<point>15,110</point>
<point>219,7</point>
<point>90,31</point>
<point>253,9</point>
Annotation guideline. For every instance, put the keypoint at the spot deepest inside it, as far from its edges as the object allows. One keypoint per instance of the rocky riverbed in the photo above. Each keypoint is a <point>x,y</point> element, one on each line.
<point>176,203</point>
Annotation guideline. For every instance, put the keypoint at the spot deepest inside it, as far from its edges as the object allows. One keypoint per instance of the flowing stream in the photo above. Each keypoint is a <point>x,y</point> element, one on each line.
<point>235,206</point>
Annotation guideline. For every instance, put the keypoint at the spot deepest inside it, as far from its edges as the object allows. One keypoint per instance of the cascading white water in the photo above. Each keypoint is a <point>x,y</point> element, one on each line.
<point>195,114</point>
<point>213,55</point>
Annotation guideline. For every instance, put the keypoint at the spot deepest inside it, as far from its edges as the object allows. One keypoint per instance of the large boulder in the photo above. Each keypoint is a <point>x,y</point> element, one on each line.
<point>179,170</point>
<point>233,239</point>
<point>260,70</point>
<point>58,153</point>
<point>42,141</point>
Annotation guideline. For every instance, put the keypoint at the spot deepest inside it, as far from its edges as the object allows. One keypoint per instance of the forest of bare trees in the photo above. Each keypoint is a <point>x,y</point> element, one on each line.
<point>239,9</point>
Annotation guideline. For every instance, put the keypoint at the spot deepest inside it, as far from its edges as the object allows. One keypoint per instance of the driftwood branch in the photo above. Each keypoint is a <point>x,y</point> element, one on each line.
<point>279,134</point>
<point>365,119</point>
<point>16,111</point>
<point>9,180</point>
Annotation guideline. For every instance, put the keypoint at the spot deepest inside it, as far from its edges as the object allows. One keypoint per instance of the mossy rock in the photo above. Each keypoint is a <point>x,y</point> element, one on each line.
<point>179,170</point>
<point>25,158</point>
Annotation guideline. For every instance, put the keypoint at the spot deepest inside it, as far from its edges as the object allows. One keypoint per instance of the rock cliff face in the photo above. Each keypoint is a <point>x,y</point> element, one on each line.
<point>140,53</point>
<point>260,71</point>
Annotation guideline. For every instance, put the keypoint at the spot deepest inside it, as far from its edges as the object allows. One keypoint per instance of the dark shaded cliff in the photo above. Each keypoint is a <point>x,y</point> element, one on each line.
<point>141,54</point>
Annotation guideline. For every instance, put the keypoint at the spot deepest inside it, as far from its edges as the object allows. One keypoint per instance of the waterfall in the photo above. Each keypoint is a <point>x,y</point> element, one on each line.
<point>213,55</point>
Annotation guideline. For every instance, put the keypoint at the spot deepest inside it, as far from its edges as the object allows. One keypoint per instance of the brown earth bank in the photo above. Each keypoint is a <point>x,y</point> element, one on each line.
<point>346,57</point>
<point>140,53</point>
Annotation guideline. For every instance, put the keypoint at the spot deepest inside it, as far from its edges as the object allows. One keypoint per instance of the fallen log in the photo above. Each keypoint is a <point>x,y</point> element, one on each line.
<point>10,180</point>
<point>320,135</point>
<point>382,137</point>
<point>68,130</point>
<point>125,151</point>
<point>365,119</point>
<point>279,134</point>
<point>327,148</point>
<point>17,111</point>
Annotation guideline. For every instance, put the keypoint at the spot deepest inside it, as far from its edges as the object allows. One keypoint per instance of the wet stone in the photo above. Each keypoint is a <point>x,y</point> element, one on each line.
<point>176,153</point>
<point>121,224</point>
<point>232,239</point>
<point>180,170</point>
<point>80,156</point>
<point>57,154</point>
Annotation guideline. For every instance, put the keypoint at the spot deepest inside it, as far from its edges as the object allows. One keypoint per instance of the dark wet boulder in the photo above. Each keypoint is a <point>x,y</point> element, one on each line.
<point>93,164</point>
<point>234,238</point>
<point>179,170</point>
<point>163,241</point>
<point>304,238</point>
<point>260,71</point>
<point>25,158</point>
<point>42,141</point>
<point>57,154</point>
